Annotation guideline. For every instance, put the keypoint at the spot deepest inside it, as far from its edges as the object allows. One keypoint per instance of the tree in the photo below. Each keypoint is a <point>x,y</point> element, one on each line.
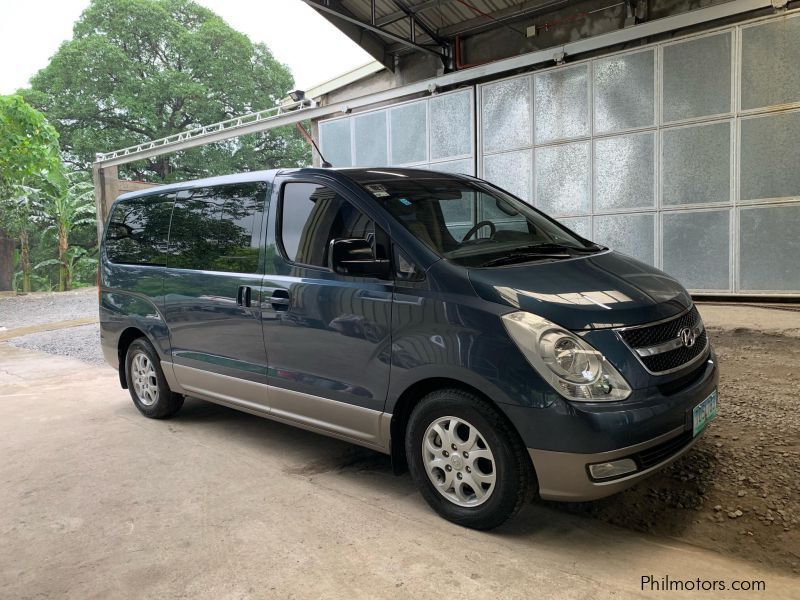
<point>138,70</point>
<point>29,159</point>
<point>62,210</point>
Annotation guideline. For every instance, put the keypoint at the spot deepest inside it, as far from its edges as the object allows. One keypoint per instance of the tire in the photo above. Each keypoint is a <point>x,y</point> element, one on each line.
<point>458,412</point>
<point>146,382</point>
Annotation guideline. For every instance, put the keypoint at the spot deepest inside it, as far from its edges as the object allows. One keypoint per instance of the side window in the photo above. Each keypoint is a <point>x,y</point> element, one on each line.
<point>137,231</point>
<point>215,228</point>
<point>311,216</point>
<point>239,238</point>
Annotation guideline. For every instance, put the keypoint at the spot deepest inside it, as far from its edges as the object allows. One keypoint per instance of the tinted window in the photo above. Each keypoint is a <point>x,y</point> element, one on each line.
<point>137,231</point>
<point>216,228</point>
<point>311,216</point>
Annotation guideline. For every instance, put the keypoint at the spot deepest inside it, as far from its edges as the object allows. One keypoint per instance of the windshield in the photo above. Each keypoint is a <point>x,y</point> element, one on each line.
<point>475,225</point>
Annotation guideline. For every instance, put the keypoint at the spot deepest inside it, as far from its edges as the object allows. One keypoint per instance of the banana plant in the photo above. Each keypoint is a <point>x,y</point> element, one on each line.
<point>61,211</point>
<point>73,258</point>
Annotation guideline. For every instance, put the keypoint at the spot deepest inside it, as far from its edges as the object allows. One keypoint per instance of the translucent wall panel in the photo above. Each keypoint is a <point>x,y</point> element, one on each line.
<point>463,167</point>
<point>580,225</point>
<point>770,59</point>
<point>624,172</point>
<point>562,179</point>
<point>409,127</point>
<point>506,115</point>
<point>451,125</point>
<point>511,171</point>
<point>630,234</point>
<point>335,142</point>
<point>769,245</point>
<point>697,77</point>
<point>770,156</point>
<point>624,91</point>
<point>696,248</point>
<point>696,165</point>
<point>369,132</point>
<point>561,98</point>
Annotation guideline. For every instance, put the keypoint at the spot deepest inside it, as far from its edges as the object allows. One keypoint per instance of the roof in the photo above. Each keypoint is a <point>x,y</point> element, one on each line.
<point>355,174</point>
<point>387,27</point>
<point>207,181</point>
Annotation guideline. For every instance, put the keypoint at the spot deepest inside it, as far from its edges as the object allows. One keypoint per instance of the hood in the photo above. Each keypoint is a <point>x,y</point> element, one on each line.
<point>602,290</point>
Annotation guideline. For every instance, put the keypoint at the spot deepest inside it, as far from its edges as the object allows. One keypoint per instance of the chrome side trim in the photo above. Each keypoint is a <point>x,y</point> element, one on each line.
<point>562,475</point>
<point>672,344</point>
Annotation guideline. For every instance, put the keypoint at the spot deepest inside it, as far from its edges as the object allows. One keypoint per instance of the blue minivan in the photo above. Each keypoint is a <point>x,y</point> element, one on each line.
<point>435,317</point>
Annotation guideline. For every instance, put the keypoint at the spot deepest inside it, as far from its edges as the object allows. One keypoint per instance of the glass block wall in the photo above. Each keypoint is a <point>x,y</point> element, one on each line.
<point>432,133</point>
<point>684,154</point>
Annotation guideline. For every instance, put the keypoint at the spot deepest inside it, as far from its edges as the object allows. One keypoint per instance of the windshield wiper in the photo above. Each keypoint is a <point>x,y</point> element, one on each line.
<point>545,250</point>
<point>524,256</point>
<point>550,246</point>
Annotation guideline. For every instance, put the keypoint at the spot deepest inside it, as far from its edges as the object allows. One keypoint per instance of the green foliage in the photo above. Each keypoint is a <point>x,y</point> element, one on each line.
<point>28,145</point>
<point>75,260</point>
<point>137,70</point>
<point>61,212</point>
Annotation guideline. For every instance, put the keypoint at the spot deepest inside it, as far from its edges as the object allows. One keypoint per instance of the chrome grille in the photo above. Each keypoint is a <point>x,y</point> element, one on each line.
<point>659,346</point>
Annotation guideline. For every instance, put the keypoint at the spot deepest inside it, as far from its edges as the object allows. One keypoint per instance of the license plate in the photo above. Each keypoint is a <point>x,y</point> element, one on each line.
<point>703,413</point>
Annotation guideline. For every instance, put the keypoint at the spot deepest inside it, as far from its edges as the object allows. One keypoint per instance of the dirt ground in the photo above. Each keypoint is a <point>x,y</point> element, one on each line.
<point>738,491</point>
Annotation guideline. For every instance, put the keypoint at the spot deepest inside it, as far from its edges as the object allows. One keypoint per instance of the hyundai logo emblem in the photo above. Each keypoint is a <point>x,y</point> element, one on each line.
<point>687,336</point>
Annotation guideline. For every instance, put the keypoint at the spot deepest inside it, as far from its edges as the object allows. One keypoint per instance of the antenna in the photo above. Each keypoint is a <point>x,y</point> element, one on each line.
<point>310,140</point>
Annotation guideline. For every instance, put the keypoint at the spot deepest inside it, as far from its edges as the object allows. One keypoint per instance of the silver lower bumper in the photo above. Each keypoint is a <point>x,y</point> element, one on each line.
<point>564,476</point>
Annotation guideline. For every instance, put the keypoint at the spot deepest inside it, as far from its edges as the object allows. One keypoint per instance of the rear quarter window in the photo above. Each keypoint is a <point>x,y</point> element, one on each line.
<point>138,229</point>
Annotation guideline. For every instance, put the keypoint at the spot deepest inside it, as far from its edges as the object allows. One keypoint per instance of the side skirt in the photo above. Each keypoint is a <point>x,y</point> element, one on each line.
<point>348,422</point>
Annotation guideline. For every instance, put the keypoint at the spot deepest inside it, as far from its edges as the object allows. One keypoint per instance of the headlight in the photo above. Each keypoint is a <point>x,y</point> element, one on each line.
<point>575,369</point>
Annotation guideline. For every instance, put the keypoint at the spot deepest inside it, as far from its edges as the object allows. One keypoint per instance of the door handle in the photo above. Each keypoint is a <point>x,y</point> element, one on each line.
<point>244,296</point>
<point>280,300</point>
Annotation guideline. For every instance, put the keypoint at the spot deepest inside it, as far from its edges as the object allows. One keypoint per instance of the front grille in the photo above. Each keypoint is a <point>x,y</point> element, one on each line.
<point>653,335</point>
<point>650,335</point>
<point>682,382</point>
<point>661,452</point>
<point>667,361</point>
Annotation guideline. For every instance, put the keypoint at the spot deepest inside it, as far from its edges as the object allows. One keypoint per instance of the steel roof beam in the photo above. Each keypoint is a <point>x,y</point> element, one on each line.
<point>323,8</point>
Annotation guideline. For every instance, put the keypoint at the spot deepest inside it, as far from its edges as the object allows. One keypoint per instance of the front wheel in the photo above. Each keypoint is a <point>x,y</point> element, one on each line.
<point>467,461</point>
<point>146,382</point>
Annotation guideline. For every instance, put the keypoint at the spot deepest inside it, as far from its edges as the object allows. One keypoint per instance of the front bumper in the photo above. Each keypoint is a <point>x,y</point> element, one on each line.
<point>564,476</point>
<point>651,429</point>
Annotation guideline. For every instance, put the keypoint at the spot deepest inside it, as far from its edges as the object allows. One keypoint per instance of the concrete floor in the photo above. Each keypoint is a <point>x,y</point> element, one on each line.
<point>99,502</point>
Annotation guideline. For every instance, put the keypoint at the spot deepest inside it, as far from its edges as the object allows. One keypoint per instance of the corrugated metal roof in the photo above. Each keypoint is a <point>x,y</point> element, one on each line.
<point>442,16</point>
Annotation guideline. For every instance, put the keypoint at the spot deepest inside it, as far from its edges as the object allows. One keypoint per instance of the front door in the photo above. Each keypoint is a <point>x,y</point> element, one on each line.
<point>328,335</point>
<point>212,290</point>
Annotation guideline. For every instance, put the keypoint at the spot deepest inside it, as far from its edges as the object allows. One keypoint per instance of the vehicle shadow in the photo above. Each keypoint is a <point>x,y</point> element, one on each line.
<point>653,507</point>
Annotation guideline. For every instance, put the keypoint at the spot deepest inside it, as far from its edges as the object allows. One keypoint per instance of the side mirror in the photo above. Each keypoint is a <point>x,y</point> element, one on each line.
<point>355,258</point>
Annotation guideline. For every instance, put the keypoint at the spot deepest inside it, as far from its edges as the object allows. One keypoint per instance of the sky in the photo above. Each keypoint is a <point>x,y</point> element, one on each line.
<point>314,50</point>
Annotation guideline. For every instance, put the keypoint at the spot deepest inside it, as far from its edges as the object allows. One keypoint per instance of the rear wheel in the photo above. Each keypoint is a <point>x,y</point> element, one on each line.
<point>146,382</point>
<point>467,461</point>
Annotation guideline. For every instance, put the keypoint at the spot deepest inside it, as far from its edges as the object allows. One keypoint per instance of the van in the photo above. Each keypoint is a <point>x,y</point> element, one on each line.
<point>434,317</point>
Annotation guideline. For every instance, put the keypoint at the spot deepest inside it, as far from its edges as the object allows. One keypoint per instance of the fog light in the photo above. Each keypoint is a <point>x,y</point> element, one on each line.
<point>614,468</point>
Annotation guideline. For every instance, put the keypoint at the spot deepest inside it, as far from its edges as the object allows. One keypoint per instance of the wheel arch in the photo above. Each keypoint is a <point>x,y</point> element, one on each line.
<point>126,338</point>
<point>412,396</point>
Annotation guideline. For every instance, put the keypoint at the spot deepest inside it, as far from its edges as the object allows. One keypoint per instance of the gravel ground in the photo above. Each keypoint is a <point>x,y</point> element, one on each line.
<point>738,490</point>
<point>81,342</point>
<point>47,307</point>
